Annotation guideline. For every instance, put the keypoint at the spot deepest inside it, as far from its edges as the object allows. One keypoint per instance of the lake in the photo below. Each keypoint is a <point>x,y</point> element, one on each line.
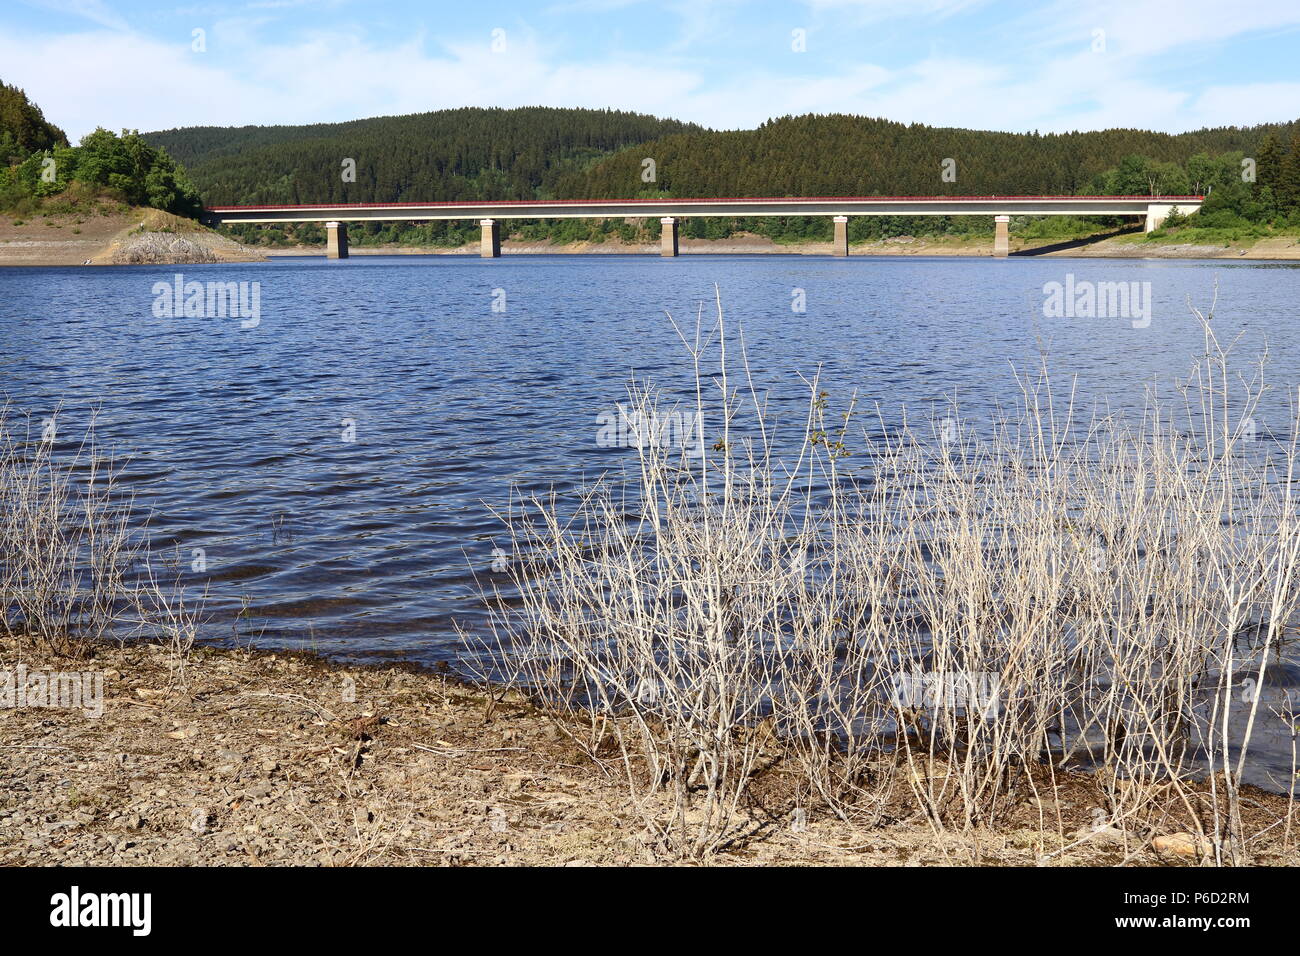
<point>336,463</point>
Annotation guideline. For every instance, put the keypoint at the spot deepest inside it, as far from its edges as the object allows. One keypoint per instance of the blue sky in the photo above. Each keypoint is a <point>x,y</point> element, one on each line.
<point>989,64</point>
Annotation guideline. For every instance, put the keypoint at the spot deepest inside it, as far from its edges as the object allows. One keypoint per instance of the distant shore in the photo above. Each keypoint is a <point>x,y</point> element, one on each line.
<point>143,236</point>
<point>1275,248</point>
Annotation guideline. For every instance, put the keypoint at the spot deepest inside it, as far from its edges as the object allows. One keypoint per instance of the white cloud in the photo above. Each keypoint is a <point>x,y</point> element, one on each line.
<point>126,79</point>
<point>130,81</point>
<point>1142,28</point>
<point>122,80</point>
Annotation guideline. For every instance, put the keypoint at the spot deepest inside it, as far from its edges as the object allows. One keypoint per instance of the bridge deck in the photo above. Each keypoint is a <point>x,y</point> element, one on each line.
<point>756,206</point>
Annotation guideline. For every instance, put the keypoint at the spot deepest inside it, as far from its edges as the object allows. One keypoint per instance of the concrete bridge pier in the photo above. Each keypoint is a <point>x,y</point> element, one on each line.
<point>490,242</point>
<point>668,238</point>
<point>336,240</point>
<point>1156,215</point>
<point>1001,236</point>
<point>840,246</point>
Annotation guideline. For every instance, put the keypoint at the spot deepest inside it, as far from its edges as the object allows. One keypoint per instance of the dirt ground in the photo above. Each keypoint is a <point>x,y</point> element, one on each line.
<point>59,240</point>
<point>102,234</point>
<point>245,758</point>
<point>1276,248</point>
<point>741,244</point>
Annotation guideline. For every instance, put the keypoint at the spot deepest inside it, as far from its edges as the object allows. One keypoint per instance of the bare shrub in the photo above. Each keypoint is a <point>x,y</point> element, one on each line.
<point>75,567</point>
<point>946,629</point>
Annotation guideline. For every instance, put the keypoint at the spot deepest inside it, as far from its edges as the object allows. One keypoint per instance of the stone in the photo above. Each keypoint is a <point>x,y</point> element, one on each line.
<point>1101,836</point>
<point>1181,844</point>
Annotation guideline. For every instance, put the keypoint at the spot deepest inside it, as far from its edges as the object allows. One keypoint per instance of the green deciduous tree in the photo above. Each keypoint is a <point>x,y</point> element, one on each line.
<point>143,174</point>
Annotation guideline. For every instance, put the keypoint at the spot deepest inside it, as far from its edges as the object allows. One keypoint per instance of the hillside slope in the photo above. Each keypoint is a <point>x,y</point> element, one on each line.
<point>536,152</point>
<point>858,156</point>
<point>451,154</point>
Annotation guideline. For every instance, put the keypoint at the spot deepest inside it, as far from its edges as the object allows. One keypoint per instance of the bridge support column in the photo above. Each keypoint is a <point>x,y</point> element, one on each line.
<point>1156,215</point>
<point>490,242</point>
<point>336,240</point>
<point>668,238</point>
<point>840,247</point>
<point>1001,236</point>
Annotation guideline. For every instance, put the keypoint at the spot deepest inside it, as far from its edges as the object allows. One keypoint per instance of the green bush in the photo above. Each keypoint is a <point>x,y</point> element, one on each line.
<point>123,167</point>
<point>1175,220</point>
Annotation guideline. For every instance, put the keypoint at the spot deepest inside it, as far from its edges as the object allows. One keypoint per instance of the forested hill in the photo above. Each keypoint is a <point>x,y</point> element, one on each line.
<point>467,153</point>
<point>540,152</point>
<point>855,156</point>
<point>23,127</point>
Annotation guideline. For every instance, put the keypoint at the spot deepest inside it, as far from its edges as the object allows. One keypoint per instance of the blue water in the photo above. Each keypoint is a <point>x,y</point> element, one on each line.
<point>369,548</point>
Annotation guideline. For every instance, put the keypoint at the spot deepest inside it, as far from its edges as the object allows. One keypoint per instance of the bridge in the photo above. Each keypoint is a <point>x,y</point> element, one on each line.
<point>670,212</point>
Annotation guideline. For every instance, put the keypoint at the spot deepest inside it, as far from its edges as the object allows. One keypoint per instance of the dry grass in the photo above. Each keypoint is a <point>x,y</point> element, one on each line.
<point>958,623</point>
<point>74,567</point>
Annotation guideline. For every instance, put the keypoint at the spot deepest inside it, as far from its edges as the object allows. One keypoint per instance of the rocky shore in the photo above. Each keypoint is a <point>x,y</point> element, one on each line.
<point>246,758</point>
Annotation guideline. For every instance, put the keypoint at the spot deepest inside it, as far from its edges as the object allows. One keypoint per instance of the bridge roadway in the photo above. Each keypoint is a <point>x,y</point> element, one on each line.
<point>671,211</point>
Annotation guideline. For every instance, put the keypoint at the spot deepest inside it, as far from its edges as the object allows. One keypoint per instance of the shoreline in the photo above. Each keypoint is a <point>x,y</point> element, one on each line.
<point>1277,248</point>
<point>257,757</point>
<point>141,237</point>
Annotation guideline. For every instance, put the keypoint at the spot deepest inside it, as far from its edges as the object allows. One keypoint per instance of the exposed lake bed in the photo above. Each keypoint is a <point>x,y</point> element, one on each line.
<point>258,759</point>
